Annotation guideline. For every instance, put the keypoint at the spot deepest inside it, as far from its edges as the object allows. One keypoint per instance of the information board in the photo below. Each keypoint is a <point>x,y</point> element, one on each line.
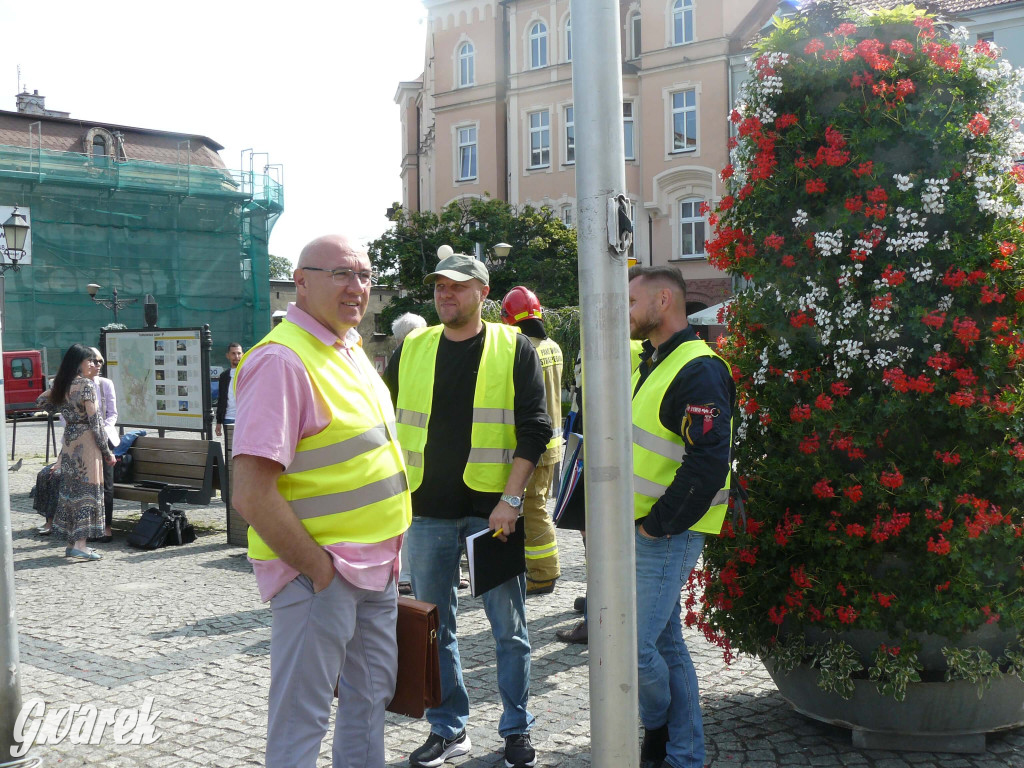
<point>161,377</point>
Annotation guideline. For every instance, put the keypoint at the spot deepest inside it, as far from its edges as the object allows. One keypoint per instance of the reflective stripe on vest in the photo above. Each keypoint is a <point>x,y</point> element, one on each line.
<point>493,437</point>
<point>347,482</point>
<point>658,452</point>
<point>550,355</point>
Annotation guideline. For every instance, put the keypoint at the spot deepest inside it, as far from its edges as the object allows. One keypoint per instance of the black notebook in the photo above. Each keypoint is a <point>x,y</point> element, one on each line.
<point>492,561</point>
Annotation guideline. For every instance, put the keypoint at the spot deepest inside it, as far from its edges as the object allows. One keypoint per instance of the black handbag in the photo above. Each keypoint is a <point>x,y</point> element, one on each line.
<point>157,529</point>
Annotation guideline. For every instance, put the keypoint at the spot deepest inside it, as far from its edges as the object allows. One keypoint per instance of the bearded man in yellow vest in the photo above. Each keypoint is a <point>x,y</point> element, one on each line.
<point>472,421</point>
<point>683,399</point>
<point>319,477</point>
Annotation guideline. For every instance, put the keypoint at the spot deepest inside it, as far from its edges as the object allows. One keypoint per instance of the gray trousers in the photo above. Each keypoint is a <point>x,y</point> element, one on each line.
<point>342,635</point>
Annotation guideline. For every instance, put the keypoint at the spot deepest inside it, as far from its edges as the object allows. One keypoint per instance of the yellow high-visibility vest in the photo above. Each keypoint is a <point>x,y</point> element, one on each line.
<point>657,451</point>
<point>347,482</point>
<point>493,437</point>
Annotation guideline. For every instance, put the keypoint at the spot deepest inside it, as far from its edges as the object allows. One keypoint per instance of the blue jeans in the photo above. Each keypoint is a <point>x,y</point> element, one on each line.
<point>435,548</point>
<point>668,690</point>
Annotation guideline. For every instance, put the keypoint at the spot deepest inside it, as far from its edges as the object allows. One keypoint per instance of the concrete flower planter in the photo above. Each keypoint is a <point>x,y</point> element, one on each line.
<point>934,716</point>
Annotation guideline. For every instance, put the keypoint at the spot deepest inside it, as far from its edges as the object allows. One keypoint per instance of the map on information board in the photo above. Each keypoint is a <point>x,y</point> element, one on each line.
<point>161,377</point>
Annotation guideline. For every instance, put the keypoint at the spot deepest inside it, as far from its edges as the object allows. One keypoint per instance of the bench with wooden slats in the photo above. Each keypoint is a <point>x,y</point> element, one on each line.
<point>168,471</point>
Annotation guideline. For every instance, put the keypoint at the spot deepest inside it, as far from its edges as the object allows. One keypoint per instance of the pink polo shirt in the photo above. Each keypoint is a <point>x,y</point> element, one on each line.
<point>277,406</point>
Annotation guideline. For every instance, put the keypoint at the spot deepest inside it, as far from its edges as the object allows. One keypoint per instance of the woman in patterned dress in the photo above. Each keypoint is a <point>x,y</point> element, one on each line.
<point>83,452</point>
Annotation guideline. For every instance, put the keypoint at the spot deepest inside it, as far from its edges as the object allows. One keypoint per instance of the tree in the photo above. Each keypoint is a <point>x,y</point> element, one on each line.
<point>543,254</point>
<point>280,268</point>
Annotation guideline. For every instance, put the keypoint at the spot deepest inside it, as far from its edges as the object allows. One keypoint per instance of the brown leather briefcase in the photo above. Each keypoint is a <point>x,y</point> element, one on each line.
<point>419,670</point>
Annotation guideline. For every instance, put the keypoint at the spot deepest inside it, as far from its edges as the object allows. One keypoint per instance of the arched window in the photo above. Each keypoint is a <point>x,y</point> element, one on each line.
<point>538,45</point>
<point>691,228</point>
<point>100,152</point>
<point>568,38</point>
<point>467,68</point>
<point>682,22</point>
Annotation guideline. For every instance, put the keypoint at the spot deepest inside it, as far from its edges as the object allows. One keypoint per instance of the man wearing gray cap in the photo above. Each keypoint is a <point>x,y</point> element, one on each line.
<point>472,422</point>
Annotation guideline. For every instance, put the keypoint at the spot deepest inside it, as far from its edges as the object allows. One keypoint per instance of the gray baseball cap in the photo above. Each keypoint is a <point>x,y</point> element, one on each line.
<point>459,267</point>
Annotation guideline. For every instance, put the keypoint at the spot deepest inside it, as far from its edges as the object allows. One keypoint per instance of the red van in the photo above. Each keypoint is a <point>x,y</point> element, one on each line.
<point>24,380</point>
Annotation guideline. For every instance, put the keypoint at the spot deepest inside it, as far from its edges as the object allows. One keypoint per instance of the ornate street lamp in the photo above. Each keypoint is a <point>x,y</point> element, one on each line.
<point>501,252</point>
<point>112,303</point>
<point>15,235</point>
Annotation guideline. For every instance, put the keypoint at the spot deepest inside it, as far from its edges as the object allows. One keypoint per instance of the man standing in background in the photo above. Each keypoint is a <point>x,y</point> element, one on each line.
<point>225,390</point>
<point>521,308</point>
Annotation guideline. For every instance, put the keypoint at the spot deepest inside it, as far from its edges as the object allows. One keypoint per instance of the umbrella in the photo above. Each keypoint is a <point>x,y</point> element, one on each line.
<point>710,315</point>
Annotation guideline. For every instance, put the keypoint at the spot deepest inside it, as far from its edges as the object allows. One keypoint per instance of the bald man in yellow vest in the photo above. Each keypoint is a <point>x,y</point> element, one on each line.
<point>319,476</point>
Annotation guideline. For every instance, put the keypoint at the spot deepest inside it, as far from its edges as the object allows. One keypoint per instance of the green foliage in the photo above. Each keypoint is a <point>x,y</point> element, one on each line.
<point>543,256</point>
<point>280,268</point>
<point>837,664</point>
<point>874,203</point>
<point>974,664</point>
<point>893,670</point>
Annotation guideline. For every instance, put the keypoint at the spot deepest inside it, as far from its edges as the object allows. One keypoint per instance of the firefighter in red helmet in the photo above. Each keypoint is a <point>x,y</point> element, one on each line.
<point>521,308</point>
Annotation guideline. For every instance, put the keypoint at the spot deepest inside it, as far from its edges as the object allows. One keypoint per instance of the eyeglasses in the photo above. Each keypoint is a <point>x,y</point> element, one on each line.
<point>344,276</point>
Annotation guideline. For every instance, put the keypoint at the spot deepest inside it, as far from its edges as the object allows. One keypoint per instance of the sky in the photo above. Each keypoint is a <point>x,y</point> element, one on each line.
<point>310,83</point>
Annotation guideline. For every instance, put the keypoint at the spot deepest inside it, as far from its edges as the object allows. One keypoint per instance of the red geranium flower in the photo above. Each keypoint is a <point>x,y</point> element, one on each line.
<point>978,124</point>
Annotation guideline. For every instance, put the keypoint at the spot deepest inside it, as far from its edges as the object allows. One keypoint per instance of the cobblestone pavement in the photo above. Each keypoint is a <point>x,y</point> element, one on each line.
<point>184,625</point>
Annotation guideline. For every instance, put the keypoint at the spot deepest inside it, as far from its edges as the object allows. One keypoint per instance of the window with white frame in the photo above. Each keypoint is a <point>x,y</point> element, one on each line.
<point>568,38</point>
<point>691,228</point>
<point>570,136</point>
<point>627,130</point>
<point>634,36</point>
<point>682,22</point>
<point>467,152</point>
<point>467,65</point>
<point>684,120</point>
<point>538,45</point>
<point>540,139</point>
<point>567,216</point>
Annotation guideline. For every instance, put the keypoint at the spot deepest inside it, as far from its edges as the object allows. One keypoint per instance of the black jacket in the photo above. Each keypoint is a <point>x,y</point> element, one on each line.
<point>222,394</point>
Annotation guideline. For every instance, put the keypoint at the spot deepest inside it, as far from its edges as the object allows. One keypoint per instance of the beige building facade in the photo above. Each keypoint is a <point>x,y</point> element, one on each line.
<point>492,115</point>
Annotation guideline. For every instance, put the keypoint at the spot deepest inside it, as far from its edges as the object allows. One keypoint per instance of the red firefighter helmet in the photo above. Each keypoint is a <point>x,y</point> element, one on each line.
<point>519,304</point>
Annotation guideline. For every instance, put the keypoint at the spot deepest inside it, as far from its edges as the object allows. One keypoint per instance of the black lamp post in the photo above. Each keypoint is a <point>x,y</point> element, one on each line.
<point>112,303</point>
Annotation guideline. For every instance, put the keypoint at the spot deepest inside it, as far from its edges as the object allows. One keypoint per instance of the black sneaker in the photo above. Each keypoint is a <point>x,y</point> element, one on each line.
<point>437,749</point>
<point>519,752</point>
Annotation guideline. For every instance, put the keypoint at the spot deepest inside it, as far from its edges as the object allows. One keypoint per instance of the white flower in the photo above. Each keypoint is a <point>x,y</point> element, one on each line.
<point>829,243</point>
<point>800,219</point>
<point>932,199</point>
<point>903,183</point>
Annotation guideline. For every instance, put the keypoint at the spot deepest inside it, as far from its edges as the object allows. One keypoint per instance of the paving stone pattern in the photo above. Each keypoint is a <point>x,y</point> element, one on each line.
<point>185,626</point>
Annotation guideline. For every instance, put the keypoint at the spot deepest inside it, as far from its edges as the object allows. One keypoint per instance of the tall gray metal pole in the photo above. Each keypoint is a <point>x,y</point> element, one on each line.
<point>10,668</point>
<point>611,591</point>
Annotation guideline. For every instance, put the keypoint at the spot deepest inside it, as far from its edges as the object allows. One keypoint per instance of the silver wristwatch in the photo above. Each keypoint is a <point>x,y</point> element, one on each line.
<point>516,502</point>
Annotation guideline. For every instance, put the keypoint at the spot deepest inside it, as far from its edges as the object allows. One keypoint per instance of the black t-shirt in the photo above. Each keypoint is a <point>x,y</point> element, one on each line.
<point>443,492</point>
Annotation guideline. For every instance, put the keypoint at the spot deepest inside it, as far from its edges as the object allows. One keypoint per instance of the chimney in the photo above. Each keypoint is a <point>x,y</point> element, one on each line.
<point>34,104</point>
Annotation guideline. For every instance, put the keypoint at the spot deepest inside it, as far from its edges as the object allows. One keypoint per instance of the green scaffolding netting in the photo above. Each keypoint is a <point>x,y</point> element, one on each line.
<point>195,238</point>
